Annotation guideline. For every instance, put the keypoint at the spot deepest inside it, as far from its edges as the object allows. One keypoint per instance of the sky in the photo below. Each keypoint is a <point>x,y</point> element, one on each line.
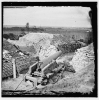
<point>47,16</point>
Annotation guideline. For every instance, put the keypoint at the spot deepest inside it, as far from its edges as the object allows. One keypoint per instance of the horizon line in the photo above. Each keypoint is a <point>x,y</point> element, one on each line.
<point>42,26</point>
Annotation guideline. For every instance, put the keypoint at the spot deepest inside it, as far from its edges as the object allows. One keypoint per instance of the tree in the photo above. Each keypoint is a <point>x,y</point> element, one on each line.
<point>27,27</point>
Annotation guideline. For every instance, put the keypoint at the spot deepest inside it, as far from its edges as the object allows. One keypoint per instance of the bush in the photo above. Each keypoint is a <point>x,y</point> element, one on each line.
<point>11,36</point>
<point>67,48</point>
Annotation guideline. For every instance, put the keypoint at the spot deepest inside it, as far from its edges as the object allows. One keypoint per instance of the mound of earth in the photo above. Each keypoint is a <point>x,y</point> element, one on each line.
<point>38,43</point>
<point>83,57</point>
<point>33,42</point>
<point>31,38</point>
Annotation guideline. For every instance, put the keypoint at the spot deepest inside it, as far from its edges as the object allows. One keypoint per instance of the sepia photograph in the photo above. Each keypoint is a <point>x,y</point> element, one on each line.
<point>48,50</point>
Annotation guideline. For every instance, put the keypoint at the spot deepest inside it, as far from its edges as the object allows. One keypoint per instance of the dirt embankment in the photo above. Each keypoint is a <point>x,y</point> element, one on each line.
<point>82,81</point>
<point>44,45</point>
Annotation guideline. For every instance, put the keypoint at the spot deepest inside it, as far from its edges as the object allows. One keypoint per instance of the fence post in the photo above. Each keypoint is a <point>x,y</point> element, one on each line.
<point>14,68</point>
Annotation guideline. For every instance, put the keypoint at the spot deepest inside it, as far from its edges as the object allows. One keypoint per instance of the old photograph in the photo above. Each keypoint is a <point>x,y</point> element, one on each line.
<point>47,51</point>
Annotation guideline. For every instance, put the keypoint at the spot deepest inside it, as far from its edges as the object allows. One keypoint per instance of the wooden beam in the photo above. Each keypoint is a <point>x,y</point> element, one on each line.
<point>14,68</point>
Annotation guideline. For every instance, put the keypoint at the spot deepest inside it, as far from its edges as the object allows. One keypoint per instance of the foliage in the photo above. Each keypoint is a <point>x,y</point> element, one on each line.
<point>70,47</point>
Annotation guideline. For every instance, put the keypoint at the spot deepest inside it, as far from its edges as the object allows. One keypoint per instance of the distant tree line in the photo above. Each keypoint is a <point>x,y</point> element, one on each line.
<point>31,29</point>
<point>11,36</point>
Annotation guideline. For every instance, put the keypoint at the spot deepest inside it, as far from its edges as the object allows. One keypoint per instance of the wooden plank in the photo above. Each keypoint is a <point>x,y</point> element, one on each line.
<point>14,68</point>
